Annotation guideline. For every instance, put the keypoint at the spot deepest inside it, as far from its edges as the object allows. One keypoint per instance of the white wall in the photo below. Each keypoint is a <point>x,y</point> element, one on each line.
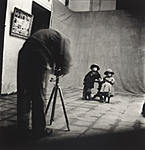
<point>44,3</point>
<point>62,1</point>
<point>12,44</point>
<point>79,5</point>
<point>92,5</point>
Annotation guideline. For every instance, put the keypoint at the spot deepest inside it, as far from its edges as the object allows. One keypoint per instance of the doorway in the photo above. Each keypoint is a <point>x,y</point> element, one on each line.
<point>41,17</point>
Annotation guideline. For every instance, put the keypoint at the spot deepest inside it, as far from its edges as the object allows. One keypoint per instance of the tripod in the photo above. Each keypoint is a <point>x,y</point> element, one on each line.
<point>55,90</point>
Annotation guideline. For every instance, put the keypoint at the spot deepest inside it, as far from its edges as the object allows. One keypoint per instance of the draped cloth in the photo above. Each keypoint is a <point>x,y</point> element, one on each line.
<point>111,39</point>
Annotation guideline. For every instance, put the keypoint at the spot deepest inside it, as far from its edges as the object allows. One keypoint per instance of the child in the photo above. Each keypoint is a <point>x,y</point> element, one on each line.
<point>89,80</point>
<point>107,89</point>
<point>143,110</point>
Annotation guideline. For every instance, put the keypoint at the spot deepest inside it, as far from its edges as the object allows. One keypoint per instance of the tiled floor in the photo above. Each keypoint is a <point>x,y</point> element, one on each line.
<point>86,118</point>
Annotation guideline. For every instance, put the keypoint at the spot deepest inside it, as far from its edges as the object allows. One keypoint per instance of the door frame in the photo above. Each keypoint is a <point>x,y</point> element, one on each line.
<point>3,9</point>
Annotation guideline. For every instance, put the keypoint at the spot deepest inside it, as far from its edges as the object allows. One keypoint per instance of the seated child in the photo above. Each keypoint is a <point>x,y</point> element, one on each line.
<point>107,89</point>
<point>89,80</point>
<point>143,110</point>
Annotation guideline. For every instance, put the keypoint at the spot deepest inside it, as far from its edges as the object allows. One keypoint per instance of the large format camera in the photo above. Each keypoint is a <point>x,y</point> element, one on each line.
<point>57,71</point>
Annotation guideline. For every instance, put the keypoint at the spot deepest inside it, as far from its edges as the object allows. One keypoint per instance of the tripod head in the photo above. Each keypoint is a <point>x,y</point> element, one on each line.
<point>57,73</point>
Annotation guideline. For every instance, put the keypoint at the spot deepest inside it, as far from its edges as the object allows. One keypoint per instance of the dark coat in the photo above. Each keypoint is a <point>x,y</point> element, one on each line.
<point>90,79</point>
<point>52,46</point>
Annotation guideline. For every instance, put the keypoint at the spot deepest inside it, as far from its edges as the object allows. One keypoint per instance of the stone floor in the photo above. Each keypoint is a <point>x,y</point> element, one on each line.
<point>92,123</point>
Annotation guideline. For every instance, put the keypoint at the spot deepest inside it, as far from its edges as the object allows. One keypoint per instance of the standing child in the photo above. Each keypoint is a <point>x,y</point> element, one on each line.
<point>89,80</point>
<point>107,89</point>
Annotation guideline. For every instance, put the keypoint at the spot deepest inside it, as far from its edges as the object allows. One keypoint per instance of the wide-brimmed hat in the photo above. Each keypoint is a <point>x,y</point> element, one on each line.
<point>93,66</point>
<point>108,71</point>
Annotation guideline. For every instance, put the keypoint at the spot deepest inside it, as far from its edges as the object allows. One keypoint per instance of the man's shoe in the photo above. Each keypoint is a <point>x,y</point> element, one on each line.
<point>24,132</point>
<point>42,134</point>
<point>47,132</point>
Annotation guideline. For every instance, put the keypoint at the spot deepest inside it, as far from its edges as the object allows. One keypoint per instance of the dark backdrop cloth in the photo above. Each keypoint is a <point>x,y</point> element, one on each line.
<point>112,39</point>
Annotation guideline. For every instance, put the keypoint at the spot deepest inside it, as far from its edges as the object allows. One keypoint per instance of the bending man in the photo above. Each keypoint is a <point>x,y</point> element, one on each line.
<point>44,48</point>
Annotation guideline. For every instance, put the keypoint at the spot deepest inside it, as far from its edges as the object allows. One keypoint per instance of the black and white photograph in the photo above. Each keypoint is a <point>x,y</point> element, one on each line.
<point>72,75</point>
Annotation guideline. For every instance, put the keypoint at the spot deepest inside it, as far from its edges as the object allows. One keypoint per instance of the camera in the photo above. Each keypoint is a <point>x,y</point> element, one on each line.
<point>57,72</point>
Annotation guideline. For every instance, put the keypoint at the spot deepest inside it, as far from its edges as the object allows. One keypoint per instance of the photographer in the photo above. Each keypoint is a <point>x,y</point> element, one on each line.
<point>45,49</point>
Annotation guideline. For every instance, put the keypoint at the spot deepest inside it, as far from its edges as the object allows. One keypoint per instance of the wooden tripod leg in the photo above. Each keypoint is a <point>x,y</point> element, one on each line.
<point>64,110</point>
<point>49,101</point>
<point>53,106</point>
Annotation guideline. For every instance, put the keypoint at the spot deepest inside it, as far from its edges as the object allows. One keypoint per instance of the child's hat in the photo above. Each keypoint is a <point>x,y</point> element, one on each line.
<point>94,67</point>
<point>108,71</point>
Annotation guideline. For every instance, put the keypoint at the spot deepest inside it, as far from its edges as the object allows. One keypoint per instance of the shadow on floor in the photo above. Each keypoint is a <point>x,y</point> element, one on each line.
<point>125,140</point>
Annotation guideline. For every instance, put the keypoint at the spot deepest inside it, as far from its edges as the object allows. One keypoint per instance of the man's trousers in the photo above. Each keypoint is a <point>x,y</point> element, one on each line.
<point>30,92</point>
